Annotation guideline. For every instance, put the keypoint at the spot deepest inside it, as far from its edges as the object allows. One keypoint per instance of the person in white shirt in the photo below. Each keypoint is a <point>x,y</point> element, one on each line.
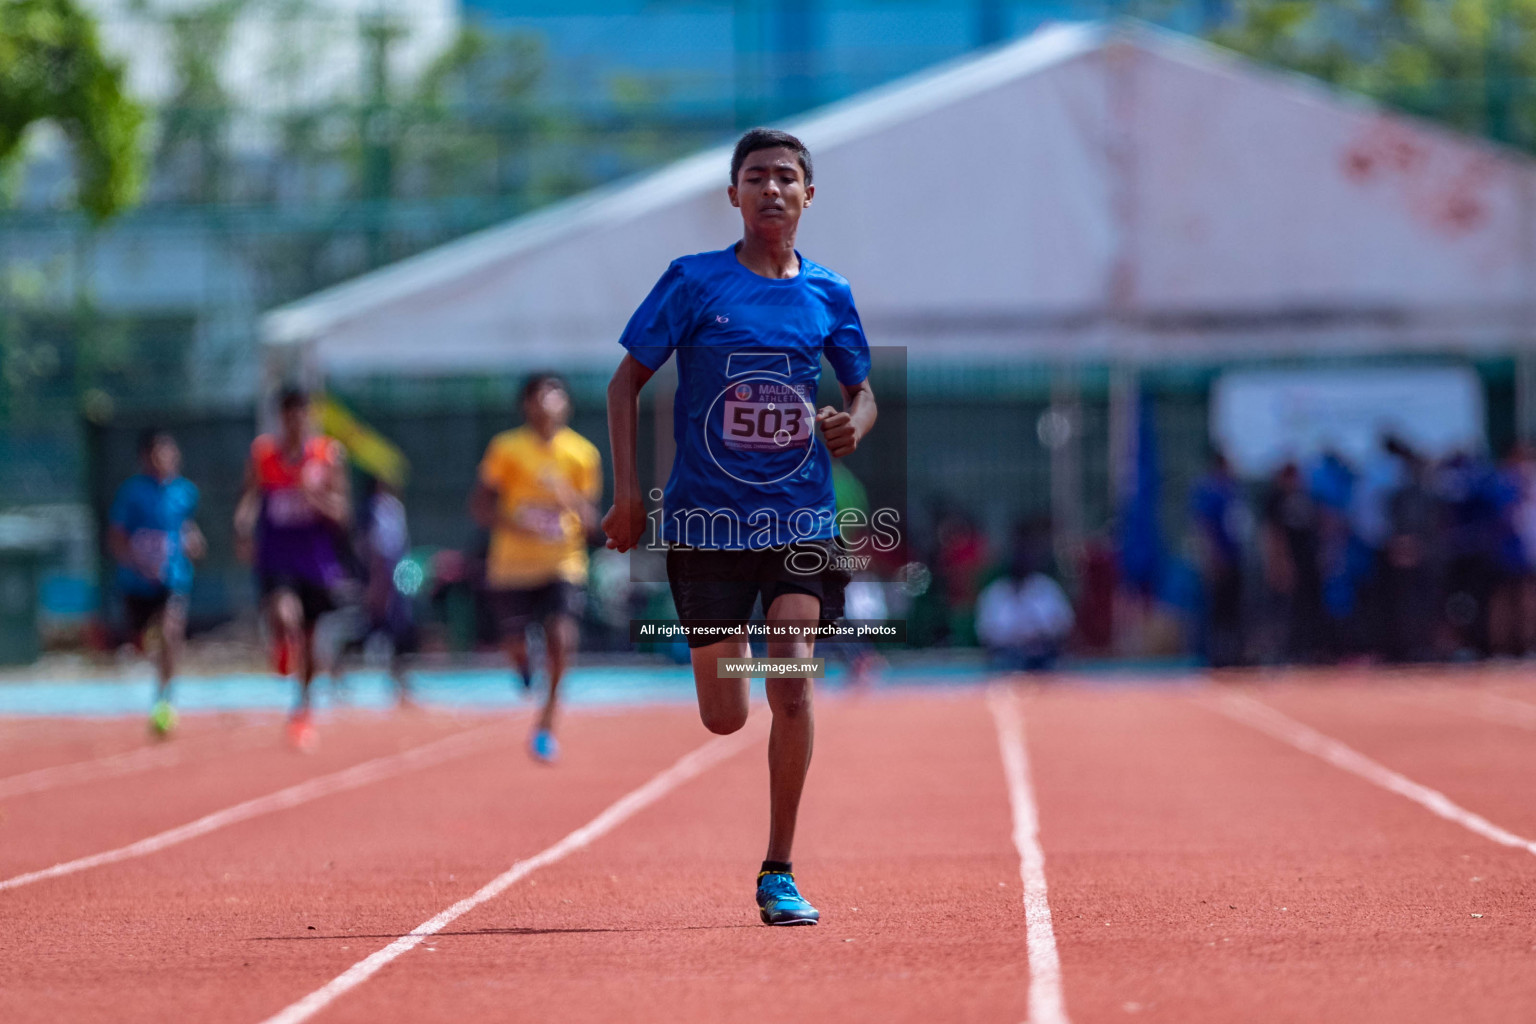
<point>1023,619</point>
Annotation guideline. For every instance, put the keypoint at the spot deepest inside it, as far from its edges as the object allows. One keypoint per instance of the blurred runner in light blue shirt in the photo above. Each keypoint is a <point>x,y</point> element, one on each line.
<point>154,539</point>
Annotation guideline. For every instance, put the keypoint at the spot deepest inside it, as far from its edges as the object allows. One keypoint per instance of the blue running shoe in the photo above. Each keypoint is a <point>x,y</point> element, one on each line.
<point>543,746</point>
<point>780,902</point>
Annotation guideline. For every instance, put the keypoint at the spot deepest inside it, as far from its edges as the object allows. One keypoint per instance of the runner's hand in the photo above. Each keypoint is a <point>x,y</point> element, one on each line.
<point>193,544</point>
<point>625,525</point>
<point>837,431</point>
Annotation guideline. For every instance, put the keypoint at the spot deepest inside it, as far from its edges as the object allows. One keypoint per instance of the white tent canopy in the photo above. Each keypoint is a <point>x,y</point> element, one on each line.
<point>1091,192</point>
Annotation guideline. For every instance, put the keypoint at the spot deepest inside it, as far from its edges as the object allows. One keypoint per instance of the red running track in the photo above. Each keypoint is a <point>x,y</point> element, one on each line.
<point>1199,870</point>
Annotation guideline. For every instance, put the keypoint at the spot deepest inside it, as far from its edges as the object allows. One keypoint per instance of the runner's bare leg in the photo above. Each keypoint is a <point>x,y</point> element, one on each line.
<point>285,617</point>
<point>516,646</point>
<point>560,637</point>
<point>306,666</point>
<point>722,702</point>
<point>173,632</point>
<point>794,727</point>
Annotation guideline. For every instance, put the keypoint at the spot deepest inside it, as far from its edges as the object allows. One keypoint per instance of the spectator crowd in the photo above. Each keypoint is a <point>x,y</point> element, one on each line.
<point>1393,558</point>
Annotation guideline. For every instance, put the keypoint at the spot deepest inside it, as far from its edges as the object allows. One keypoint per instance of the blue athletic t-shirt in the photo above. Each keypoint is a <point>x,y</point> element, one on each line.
<point>152,514</point>
<point>750,470</point>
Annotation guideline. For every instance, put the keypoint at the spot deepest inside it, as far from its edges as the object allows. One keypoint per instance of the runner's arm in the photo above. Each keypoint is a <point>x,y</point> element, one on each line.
<point>119,541</point>
<point>842,431</point>
<point>381,581</point>
<point>625,522</point>
<point>117,544</point>
<point>246,511</point>
<point>333,499</point>
<point>192,541</point>
<point>483,501</point>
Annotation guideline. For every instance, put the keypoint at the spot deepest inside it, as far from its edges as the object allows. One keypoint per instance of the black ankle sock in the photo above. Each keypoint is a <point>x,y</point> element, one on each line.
<point>777,866</point>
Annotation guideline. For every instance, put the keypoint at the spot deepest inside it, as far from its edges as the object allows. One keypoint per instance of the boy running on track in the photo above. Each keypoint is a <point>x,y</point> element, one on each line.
<point>381,542</point>
<point>154,540</point>
<point>537,495</point>
<point>294,510</point>
<point>748,510</point>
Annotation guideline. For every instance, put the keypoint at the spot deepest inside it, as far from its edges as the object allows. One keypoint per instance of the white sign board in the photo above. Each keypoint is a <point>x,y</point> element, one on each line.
<point>1263,418</point>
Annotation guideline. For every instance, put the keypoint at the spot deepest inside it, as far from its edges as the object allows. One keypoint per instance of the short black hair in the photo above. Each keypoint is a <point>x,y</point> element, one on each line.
<point>537,381</point>
<point>151,436</point>
<point>293,398</point>
<point>769,138</point>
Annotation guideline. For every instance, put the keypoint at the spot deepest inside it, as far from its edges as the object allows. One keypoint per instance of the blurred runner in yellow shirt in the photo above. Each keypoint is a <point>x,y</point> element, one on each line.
<point>537,494</point>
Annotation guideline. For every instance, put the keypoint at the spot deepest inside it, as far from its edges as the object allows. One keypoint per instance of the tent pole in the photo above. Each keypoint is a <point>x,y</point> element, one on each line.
<point>1124,385</point>
<point>1525,330</point>
<point>1064,438</point>
<point>1130,615</point>
<point>1525,388</point>
<point>1120,287</point>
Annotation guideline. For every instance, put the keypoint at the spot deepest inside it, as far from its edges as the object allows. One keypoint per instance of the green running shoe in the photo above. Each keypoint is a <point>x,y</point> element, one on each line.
<point>780,901</point>
<point>162,719</point>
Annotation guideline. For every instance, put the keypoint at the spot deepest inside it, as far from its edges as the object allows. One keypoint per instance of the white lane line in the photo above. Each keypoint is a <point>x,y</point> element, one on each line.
<point>128,762</point>
<point>1046,1002</point>
<point>376,770</point>
<point>1267,720</point>
<point>690,765</point>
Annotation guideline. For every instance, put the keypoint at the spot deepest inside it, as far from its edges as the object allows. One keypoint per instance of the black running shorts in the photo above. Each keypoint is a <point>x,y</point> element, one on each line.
<point>721,586</point>
<point>516,610</point>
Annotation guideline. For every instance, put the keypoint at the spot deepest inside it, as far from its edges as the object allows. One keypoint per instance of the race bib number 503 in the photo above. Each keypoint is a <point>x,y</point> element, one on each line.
<point>765,416</point>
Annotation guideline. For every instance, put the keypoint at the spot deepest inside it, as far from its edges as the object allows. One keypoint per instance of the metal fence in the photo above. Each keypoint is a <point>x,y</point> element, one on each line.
<point>978,452</point>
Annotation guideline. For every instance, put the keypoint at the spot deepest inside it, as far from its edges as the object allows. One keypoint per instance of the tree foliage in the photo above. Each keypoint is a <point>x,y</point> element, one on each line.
<point>52,68</point>
<point>194,124</point>
<point>469,119</point>
<point>1468,63</point>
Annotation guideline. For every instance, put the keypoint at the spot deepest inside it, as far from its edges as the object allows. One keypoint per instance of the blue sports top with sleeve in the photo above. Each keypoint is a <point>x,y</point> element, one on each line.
<point>750,470</point>
<point>153,514</point>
